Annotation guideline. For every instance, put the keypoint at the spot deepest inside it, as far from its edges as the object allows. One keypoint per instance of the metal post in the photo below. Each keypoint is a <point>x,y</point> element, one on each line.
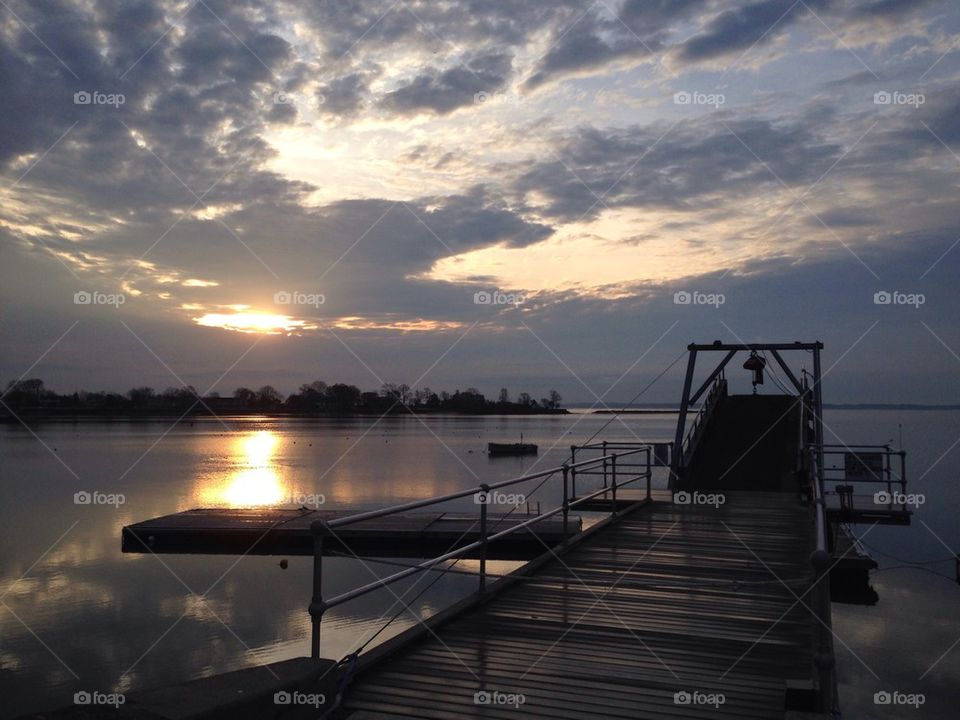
<point>573,472</point>
<point>823,659</point>
<point>604,463</point>
<point>613,484</point>
<point>485,489</point>
<point>818,411</point>
<point>682,416</point>
<point>566,499</point>
<point>318,529</point>
<point>903,472</point>
<point>649,473</point>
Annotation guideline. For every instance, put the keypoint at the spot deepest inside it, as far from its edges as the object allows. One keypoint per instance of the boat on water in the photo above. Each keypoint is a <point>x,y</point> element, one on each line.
<point>520,448</point>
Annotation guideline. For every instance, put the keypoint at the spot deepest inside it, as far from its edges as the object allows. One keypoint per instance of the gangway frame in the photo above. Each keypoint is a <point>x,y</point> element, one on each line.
<point>689,399</point>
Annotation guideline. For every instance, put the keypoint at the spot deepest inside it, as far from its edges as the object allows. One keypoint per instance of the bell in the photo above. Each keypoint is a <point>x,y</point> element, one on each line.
<point>755,364</point>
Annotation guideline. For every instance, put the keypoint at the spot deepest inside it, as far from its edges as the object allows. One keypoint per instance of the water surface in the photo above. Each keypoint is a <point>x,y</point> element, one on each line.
<point>81,615</point>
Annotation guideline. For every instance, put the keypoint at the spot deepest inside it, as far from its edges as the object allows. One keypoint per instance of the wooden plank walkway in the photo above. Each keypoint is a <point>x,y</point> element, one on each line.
<point>670,599</point>
<point>281,531</point>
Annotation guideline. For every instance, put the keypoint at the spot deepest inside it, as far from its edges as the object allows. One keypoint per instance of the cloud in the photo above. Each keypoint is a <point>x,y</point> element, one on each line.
<point>442,92</point>
<point>744,26</point>
<point>344,96</point>
<point>597,39</point>
<point>669,167</point>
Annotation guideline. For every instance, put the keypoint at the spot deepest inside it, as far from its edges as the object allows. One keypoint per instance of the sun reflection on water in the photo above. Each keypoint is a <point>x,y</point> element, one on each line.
<point>255,481</point>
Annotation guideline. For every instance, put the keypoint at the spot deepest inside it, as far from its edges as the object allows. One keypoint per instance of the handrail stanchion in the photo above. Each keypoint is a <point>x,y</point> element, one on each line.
<point>566,500</point>
<point>604,463</point>
<point>903,472</point>
<point>613,484</point>
<point>318,528</point>
<point>649,473</point>
<point>484,489</point>
<point>573,471</point>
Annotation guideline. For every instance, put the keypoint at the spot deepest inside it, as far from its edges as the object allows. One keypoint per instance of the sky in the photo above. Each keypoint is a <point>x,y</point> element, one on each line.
<point>478,193</point>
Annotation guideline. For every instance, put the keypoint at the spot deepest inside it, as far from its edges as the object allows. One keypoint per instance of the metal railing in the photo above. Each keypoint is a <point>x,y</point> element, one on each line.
<point>812,463</point>
<point>861,459</point>
<point>717,390</point>
<point>611,464</point>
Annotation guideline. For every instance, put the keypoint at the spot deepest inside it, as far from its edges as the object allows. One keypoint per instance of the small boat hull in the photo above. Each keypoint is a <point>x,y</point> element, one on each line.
<point>511,449</point>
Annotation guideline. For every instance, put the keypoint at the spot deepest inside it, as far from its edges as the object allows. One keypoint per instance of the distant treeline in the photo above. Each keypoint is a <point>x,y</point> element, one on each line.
<point>315,398</point>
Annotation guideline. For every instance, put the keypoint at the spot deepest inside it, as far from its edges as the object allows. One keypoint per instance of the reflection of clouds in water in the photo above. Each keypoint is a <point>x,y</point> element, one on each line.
<point>910,617</point>
<point>9,662</point>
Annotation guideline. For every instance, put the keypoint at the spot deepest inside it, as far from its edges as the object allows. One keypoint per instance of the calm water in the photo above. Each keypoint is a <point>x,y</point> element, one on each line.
<point>81,615</point>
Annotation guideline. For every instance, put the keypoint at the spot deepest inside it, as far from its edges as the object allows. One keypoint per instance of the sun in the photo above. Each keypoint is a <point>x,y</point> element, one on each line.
<point>255,322</point>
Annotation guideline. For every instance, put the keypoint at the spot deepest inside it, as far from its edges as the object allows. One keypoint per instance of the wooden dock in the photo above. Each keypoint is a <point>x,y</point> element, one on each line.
<point>277,531</point>
<point>667,599</point>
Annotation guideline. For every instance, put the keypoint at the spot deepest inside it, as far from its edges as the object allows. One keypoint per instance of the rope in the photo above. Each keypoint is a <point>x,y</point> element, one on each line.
<point>905,561</point>
<point>636,397</point>
<point>918,567</point>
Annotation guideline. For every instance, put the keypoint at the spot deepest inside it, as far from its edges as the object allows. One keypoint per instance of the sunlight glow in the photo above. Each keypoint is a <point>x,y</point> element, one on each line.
<point>255,322</point>
<point>255,481</point>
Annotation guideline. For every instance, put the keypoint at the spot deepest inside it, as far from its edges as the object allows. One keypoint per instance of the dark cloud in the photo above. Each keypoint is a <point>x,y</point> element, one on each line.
<point>596,39</point>
<point>703,161</point>
<point>743,26</point>
<point>442,92</point>
<point>344,96</point>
